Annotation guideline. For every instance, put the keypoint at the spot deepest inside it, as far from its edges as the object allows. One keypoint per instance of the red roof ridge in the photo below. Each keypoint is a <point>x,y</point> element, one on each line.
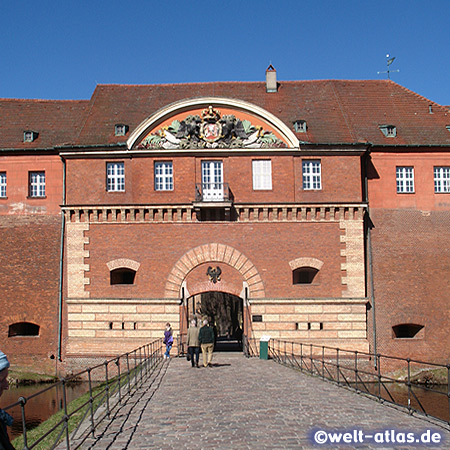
<point>325,80</point>
<point>176,84</point>
<point>42,100</point>
<point>421,97</point>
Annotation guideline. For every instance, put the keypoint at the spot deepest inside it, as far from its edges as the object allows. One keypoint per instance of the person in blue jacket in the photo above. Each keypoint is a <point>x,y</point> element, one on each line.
<point>5,418</point>
<point>168,340</point>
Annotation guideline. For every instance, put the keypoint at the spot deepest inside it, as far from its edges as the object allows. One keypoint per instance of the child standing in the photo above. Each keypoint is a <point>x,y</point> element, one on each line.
<point>168,340</point>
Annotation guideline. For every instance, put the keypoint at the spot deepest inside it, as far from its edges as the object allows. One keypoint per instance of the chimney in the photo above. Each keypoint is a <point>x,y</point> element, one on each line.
<point>271,79</point>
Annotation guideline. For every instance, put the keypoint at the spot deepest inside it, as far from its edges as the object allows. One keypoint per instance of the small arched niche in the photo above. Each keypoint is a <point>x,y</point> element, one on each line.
<point>408,331</point>
<point>23,329</point>
<point>305,270</point>
<point>122,271</point>
<point>304,275</point>
<point>122,275</point>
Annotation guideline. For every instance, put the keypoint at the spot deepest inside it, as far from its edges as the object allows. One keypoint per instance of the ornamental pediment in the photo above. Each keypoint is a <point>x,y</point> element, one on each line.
<point>211,129</point>
<point>212,124</point>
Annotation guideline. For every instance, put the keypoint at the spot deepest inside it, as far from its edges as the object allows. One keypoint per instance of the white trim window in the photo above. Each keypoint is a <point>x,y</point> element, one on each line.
<point>312,174</point>
<point>115,177</point>
<point>164,176</point>
<point>37,184</point>
<point>441,180</point>
<point>2,184</point>
<point>262,174</point>
<point>405,180</point>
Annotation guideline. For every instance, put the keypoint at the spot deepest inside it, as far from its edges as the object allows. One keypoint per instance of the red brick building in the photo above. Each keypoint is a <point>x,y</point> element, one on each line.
<point>306,210</point>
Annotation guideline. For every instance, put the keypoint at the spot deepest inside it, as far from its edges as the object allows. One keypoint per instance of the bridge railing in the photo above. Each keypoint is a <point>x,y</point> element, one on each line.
<point>108,386</point>
<point>419,386</point>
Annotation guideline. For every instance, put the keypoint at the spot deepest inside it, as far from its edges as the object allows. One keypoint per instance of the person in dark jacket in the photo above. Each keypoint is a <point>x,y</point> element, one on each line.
<point>206,339</point>
<point>5,418</point>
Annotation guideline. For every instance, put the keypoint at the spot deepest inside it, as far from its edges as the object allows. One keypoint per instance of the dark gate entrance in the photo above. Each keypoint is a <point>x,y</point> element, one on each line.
<point>225,313</point>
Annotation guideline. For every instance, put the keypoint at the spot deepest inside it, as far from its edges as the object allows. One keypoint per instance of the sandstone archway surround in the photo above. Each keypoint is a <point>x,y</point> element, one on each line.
<point>218,253</point>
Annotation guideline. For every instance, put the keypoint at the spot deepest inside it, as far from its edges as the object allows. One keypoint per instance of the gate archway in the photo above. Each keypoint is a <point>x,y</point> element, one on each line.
<point>191,276</point>
<point>224,311</point>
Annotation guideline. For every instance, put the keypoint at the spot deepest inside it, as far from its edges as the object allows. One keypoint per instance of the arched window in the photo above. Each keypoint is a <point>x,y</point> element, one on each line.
<point>23,329</point>
<point>304,275</point>
<point>408,330</point>
<point>122,276</point>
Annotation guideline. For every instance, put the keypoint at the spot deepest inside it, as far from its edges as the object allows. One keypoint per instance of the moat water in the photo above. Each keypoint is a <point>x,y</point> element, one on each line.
<point>40,408</point>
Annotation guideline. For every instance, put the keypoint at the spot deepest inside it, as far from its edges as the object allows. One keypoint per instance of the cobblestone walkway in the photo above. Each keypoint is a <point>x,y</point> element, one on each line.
<point>242,403</point>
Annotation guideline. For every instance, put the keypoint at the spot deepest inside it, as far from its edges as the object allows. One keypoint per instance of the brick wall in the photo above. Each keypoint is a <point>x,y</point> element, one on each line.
<point>29,274</point>
<point>270,247</point>
<point>411,263</point>
<point>17,170</point>
<point>341,180</point>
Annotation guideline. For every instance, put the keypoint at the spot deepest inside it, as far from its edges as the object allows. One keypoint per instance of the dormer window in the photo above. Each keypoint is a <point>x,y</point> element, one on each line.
<point>448,127</point>
<point>300,126</point>
<point>120,129</point>
<point>30,136</point>
<point>389,130</point>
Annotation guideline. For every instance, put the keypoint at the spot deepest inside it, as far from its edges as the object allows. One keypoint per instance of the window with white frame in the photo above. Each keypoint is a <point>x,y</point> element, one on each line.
<point>262,174</point>
<point>442,180</point>
<point>2,184</point>
<point>405,180</point>
<point>37,184</point>
<point>312,175</point>
<point>163,176</point>
<point>115,177</point>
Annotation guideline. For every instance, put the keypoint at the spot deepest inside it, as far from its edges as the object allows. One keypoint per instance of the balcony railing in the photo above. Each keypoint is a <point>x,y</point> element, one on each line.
<point>213,192</point>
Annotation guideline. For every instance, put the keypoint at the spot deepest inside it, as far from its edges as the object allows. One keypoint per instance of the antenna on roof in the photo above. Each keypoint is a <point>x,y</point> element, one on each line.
<point>388,63</point>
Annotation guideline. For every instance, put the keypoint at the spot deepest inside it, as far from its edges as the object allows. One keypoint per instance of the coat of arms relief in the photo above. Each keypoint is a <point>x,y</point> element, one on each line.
<point>211,130</point>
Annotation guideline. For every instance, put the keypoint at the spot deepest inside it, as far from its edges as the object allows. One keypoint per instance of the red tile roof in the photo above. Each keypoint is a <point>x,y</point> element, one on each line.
<point>336,112</point>
<point>57,122</point>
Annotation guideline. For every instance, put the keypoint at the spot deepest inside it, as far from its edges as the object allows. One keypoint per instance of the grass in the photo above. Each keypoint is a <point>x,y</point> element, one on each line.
<point>22,377</point>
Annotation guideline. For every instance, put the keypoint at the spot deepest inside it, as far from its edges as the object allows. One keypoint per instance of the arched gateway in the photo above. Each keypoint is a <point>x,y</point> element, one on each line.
<point>215,280</point>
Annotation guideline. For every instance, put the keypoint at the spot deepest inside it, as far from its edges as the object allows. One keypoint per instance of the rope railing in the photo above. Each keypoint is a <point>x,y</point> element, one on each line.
<point>109,384</point>
<point>419,386</point>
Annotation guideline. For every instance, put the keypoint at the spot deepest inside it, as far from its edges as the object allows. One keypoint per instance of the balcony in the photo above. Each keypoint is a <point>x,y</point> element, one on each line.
<point>213,201</point>
<point>213,193</point>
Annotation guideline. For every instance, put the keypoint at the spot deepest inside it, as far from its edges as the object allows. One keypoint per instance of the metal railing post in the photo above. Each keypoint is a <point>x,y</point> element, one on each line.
<point>301,356</point>
<point>66,417</point>
<point>108,412</point>
<point>23,401</point>
<point>337,367</point>
<point>128,373</point>
<point>91,403</point>
<point>356,371</point>
<point>448,391</point>
<point>292,354</point>
<point>119,377</point>
<point>135,368</point>
<point>409,384</point>
<point>379,374</point>
<point>311,358</point>
<point>140,363</point>
<point>323,361</point>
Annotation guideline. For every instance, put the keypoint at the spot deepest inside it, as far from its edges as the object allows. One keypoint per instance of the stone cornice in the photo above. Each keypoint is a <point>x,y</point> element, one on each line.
<point>186,213</point>
<point>309,301</point>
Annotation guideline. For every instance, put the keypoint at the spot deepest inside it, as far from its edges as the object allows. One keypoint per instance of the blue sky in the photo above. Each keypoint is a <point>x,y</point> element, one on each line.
<point>62,49</point>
